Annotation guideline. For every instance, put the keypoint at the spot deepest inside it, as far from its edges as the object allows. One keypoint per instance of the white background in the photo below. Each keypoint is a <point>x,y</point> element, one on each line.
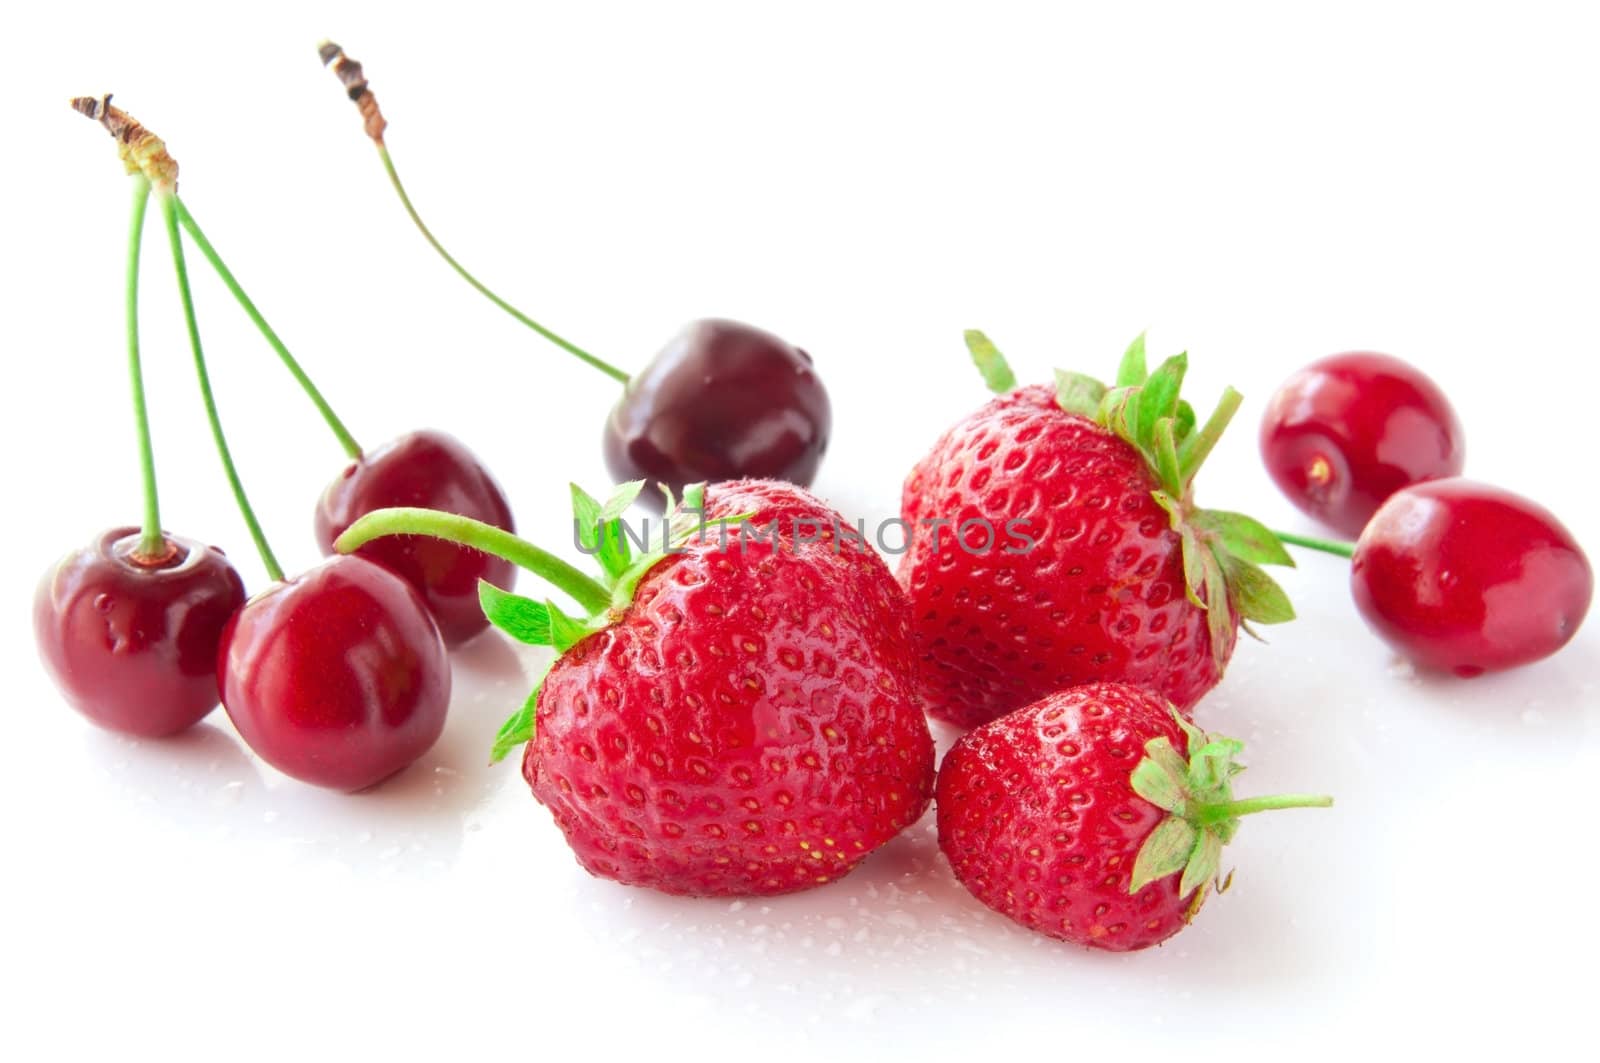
<point>1259,184</point>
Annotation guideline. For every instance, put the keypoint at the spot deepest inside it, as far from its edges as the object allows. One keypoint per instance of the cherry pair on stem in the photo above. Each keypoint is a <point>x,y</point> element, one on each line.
<point>339,676</point>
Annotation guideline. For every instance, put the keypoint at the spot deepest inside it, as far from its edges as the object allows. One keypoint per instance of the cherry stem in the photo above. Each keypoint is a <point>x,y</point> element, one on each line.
<point>394,179</point>
<point>169,210</point>
<point>1327,546</point>
<point>152,542</point>
<point>1197,447</point>
<point>464,531</point>
<point>1250,805</point>
<point>346,440</point>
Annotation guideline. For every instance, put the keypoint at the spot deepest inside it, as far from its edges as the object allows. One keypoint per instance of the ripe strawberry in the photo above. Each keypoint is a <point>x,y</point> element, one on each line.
<point>1075,815</point>
<point>1055,541</point>
<point>730,720</point>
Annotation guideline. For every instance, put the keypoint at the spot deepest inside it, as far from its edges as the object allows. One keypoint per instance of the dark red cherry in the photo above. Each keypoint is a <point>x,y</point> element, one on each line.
<point>133,644</point>
<point>1466,578</point>
<point>337,677</point>
<point>722,401</point>
<point>1348,431</point>
<point>432,470</point>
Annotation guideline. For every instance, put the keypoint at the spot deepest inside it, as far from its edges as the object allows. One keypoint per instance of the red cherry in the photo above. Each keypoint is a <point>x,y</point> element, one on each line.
<point>1348,431</point>
<point>338,677</point>
<point>722,401</point>
<point>1467,578</point>
<point>131,644</point>
<point>432,470</point>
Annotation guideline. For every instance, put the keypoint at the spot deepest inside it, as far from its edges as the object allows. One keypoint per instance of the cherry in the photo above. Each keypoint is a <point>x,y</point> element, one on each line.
<point>430,470</point>
<point>1349,430</point>
<point>1466,578</point>
<point>128,626</point>
<point>722,401</point>
<point>423,468</point>
<point>132,642</point>
<point>337,677</point>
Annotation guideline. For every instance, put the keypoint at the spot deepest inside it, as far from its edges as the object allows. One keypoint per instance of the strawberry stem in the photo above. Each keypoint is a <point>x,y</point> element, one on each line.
<point>152,543</point>
<point>346,440</point>
<point>1250,805</point>
<point>169,210</point>
<point>405,520</point>
<point>1327,546</point>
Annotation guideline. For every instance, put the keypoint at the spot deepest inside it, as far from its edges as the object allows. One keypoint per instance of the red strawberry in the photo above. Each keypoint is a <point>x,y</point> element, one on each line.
<point>1076,815</point>
<point>729,721</point>
<point>1055,541</point>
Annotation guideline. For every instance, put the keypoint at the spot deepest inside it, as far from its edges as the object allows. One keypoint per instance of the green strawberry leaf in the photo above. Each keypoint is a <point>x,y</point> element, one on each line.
<point>1131,373</point>
<point>1204,863</point>
<point>992,365</point>
<point>1244,537</point>
<point>1165,448</point>
<point>1256,595</point>
<point>519,729</point>
<point>522,618</point>
<point>1162,776</point>
<point>1116,408</point>
<point>1158,398</point>
<point>1219,613</point>
<point>614,555</point>
<point>621,498</point>
<point>1183,421</point>
<point>1168,849</point>
<point>1079,394</point>
<point>586,519</point>
<point>566,632</point>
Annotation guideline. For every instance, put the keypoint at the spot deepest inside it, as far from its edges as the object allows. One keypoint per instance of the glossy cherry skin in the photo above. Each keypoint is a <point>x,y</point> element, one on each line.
<point>1348,431</point>
<point>722,401</point>
<point>134,646</point>
<point>1466,578</point>
<point>338,677</point>
<point>432,470</point>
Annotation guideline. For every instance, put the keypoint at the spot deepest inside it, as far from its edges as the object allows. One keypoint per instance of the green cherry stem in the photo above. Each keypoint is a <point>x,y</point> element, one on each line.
<point>346,440</point>
<point>152,543</point>
<point>406,520</point>
<point>1251,805</point>
<point>1327,546</point>
<point>170,209</point>
<point>350,75</point>
<point>416,219</point>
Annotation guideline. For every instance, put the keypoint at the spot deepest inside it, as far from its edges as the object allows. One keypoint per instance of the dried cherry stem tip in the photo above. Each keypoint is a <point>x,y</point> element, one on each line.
<point>464,531</point>
<point>1326,546</point>
<point>142,151</point>
<point>350,75</point>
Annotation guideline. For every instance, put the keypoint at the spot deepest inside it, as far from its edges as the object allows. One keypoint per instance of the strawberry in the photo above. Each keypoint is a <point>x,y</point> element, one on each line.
<point>737,715</point>
<point>1096,815</point>
<point>1055,541</point>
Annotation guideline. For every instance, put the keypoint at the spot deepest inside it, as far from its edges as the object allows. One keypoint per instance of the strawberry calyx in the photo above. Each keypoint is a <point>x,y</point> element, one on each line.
<point>1223,551</point>
<point>598,530</point>
<point>1195,789</point>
